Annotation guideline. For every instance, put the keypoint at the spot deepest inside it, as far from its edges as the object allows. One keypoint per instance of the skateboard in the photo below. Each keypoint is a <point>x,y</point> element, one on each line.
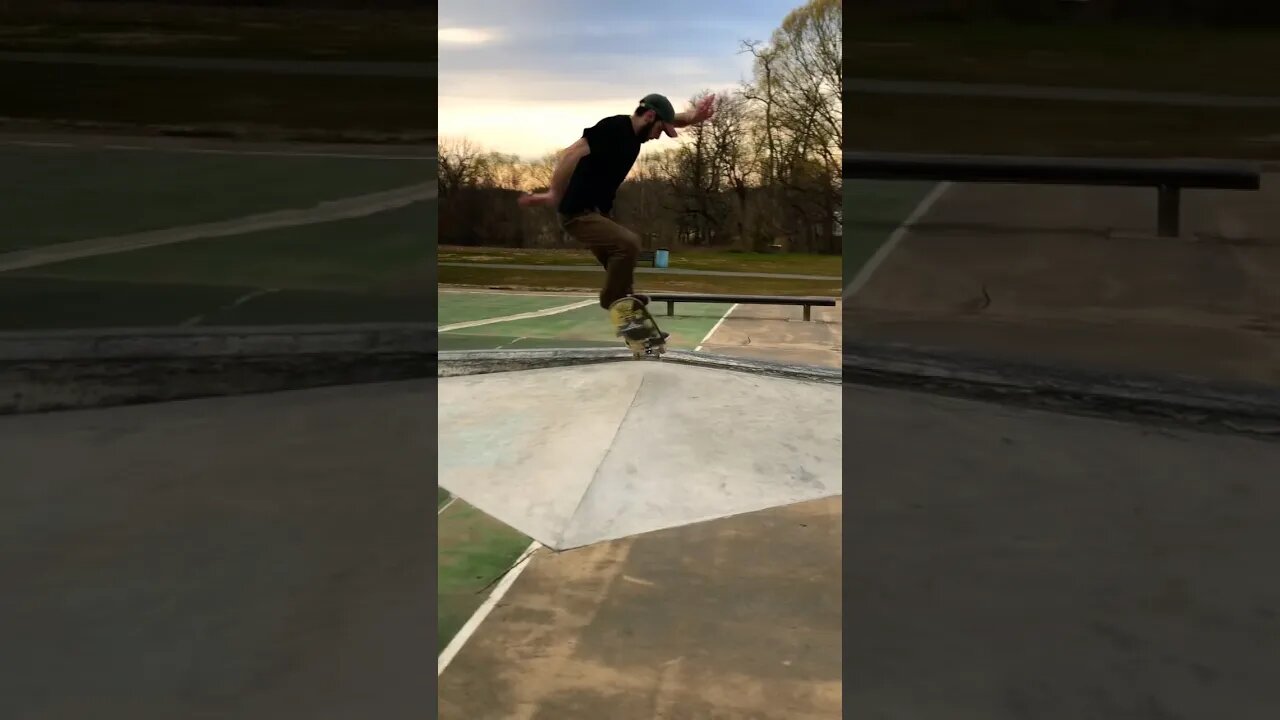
<point>637,328</point>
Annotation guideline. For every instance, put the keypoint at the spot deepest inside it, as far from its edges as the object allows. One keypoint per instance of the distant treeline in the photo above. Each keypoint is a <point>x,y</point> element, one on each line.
<point>1188,12</point>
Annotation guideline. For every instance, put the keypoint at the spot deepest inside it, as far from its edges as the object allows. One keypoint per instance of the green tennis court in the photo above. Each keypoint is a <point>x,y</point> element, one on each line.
<point>873,210</point>
<point>370,266</point>
<point>566,321</point>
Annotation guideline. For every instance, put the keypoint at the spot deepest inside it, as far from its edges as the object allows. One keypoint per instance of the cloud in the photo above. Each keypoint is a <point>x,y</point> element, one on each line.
<point>533,129</point>
<point>525,78</point>
<point>524,127</point>
<point>465,36</point>
<point>547,87</point>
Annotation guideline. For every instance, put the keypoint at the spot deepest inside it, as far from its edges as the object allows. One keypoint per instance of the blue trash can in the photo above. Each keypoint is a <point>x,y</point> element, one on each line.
<point>660,257</point>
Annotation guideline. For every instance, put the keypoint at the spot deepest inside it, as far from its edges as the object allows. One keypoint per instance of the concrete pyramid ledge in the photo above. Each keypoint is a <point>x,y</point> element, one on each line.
<point>473,362</point>
<point>42,371</point>
<point>135,343</point>
<point>574,455</point>
<point>1179,400</point>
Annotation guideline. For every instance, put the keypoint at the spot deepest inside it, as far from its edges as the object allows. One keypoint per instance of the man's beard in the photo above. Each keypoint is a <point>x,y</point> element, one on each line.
<point>646,130</point>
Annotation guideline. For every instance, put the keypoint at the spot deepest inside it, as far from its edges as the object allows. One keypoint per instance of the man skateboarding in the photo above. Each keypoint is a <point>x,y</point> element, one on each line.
<point>587,177</point>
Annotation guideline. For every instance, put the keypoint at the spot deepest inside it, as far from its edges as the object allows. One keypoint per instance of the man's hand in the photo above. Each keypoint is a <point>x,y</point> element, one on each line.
<point>705,108</point>
<point>543,198</point>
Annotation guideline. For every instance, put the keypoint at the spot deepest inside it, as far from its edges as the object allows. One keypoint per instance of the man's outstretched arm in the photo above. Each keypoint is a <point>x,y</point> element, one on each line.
<point>705,108</point>
<point>560,176</point>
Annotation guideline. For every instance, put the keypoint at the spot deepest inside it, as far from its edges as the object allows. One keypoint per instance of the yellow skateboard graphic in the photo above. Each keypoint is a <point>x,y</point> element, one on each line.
<point>637,328</point>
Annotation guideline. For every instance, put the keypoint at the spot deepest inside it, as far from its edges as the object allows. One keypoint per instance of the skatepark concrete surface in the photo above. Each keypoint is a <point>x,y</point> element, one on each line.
<point>1076,275</point>
<point>779,334</point>
<point>572,456</point>
<point>1002,563</point>
<point>738,619</point>
<point>261,556</point>
<point>1008,563</point>
<point>735,617</point>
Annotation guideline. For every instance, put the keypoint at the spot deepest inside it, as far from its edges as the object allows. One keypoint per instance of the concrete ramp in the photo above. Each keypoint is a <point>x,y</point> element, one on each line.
<point>572,456</point>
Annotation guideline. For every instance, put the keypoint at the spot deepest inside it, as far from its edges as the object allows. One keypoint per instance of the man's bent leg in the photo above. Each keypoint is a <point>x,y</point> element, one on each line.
<point>616,247</point>
<point>602,256</point>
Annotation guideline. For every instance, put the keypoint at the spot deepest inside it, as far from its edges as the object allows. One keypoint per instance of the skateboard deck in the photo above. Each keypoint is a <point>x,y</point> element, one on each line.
<point>637,328</point>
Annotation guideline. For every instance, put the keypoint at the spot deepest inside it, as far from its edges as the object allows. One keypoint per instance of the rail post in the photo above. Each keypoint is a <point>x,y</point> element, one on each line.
<point>1168,210</point>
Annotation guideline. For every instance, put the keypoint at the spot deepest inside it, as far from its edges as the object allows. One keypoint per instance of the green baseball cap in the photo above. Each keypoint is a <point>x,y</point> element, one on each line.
<point>661,107</point>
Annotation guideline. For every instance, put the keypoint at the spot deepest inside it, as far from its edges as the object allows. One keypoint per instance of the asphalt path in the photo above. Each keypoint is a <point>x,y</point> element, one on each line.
<point>660,271</point>
<point>1046,92</point>
<point>335,68</point>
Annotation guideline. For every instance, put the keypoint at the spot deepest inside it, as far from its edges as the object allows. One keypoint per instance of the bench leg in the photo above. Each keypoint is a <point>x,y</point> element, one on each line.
<point>807,312</point>
<point>1169,211</point>
<point>671,308</point>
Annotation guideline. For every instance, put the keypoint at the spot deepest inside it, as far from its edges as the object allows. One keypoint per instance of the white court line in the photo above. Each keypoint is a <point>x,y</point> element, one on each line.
<point>455,645</point>
<point>197,319</point>
<point>522,316</point>
<point>716,327</point>
<point>446,505</point>
<point>883,252</point>
<point>325,211</point>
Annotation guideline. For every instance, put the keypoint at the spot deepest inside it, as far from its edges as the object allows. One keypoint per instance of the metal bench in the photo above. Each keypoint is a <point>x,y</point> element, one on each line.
<point>1169,177</point>
<point>807,301</point>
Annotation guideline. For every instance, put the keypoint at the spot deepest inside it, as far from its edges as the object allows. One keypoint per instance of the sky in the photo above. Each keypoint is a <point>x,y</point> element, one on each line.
<point>525,77</point>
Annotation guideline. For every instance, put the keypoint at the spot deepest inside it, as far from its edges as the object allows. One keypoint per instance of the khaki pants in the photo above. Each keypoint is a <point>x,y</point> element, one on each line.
<point>616,247</point>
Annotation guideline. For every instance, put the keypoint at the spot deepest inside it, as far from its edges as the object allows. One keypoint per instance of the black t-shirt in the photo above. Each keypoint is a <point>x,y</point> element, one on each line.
<point>614,148</point>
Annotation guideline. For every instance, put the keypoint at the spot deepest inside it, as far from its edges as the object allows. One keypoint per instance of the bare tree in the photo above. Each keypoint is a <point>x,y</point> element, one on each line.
<point>736,161</point>
<point>462,164</point>
<point>797,84</point>
<point>697,170</point>
<point>766,165</point>
<point>503,171</point>
<point>540,171</point>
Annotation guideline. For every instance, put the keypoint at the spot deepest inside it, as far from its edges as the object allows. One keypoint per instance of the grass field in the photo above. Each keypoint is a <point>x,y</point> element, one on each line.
<point>1110,56</point>
<point>1144,58</point>
<point>903,123</point>
<point>221,101</point>
<point>790,263</point>
<point>573,280</point>
<point>210,30</point>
